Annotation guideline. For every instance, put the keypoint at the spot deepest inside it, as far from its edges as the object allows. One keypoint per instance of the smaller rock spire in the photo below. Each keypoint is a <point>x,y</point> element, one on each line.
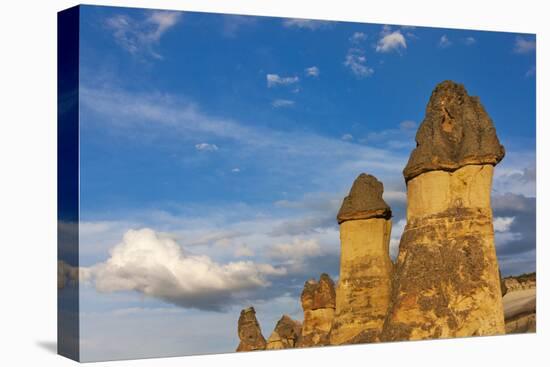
<point>249,331</point>
<point>318,301</point>
<point>286,334</point>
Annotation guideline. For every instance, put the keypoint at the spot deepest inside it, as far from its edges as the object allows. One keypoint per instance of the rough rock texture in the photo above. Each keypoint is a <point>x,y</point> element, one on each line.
<point>446,281</point>
<point>456,131</point>
<point>364,286</point>
<point>503,289</point>
<point>318,302</point>
<point>522,282</point>
<point>286,334</point>
<point>520,304</point>
<point>364,200</point>
<point>526,323</point>
<point>249,331</point>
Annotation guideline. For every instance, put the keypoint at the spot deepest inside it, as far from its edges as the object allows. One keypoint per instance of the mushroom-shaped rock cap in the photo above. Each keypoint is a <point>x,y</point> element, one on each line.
<point>364,200</point>
<point>456,131</point>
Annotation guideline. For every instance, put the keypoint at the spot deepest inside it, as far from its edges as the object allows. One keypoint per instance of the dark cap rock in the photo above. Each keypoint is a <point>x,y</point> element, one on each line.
<point>364,200</point>
<point>456,131</point>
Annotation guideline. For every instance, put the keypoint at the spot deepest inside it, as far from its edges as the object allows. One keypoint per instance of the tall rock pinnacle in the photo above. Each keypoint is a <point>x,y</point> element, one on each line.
<point>446,281</point>
<point>456,131</point>
<point>249,331</point>
<point>364,285</point>
<point>318,302</point>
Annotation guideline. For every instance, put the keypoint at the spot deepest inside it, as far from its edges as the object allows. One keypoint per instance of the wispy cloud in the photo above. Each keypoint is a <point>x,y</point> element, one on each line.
<point>401,137</point>
<point>358,37</point>
<point>469,41</point>
<point>140,36</point>
<point>280,103</point>
<point>312,71</point>
<point>232,24</point>
<point>305,23</point>
<point>356,61</point>
<point>243,251</point>
<point>296,250</point>
<point>165,116</point>
<point>531,72</point>
<point>523,45</point>
<point>390,41</point>
<point>205,147</point>
<point>347,137</point>
<point>274,80</point>
<point>444,42</point>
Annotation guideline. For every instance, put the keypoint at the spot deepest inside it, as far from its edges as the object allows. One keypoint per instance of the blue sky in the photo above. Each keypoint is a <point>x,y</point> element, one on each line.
<point>223,145</point>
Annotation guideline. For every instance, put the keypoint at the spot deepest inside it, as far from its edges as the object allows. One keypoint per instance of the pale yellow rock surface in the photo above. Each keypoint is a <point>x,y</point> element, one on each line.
<point>446,281</point>
<point>317,325</point>
<point>286,334</point>
<point>520,282</point>
<point>520,309</point>
<point>437,191</point>
<point>318,303</point>
<point>250,334</point>
<point>522,324</point>
<point>364,286</point>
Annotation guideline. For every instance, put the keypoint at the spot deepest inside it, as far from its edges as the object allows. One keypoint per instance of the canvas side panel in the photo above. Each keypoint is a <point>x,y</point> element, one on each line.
<point>68,182</point>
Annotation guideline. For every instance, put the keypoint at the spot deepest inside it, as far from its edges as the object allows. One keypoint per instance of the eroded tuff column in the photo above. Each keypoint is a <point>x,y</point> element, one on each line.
<point>249,331</point>
<point>446,281</point>
<point>318,302</point>
<point>286,334</point>
<point>364,286</point>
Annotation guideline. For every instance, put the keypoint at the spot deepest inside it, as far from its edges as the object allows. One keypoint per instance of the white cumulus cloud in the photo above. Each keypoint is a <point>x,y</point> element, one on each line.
<point>155,265</point>
<point>390,41</point>
<point>502,224</point>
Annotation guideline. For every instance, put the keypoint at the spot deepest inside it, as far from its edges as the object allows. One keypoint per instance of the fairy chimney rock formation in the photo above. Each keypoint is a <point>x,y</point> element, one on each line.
<point>318,301</point>
<point>364,285</point>
<point>446,280</point>
<point>286,334</point>
<point>249,331</point>
<point>456,132</point>
<point>364,200</point>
